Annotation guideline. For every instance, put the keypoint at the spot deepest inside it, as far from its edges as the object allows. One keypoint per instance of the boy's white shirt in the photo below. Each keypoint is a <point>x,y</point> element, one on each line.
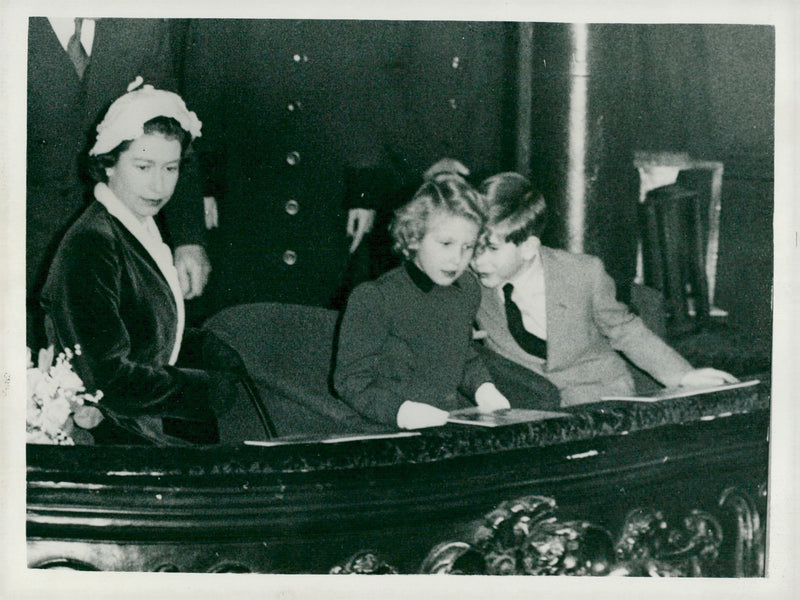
<point>148,235</point>
<point>529,295</point>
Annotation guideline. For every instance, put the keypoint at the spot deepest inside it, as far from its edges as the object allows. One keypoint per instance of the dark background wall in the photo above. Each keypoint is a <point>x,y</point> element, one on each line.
<point>742,92</point>
<point>707,90</point>
<point>449,89</point>
<point>712,93</point>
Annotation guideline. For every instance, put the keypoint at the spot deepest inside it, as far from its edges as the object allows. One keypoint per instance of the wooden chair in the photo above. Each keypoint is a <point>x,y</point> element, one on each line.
<point>664,168</point>
<point>673,254</point>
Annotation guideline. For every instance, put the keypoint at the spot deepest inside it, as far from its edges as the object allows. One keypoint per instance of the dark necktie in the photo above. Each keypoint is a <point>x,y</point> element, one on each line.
<point>532,344</point>
<point>76,51</point>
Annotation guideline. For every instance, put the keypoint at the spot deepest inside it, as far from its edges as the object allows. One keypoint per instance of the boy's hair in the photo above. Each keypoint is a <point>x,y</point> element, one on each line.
<point>511,200</point>
<point>166,126</point>
<point>445,192</point>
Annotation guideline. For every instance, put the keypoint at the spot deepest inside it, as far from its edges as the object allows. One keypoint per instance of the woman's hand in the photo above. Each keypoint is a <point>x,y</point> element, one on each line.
<point>488,398</point>
<point>416,415</point>
<point>706,378</point>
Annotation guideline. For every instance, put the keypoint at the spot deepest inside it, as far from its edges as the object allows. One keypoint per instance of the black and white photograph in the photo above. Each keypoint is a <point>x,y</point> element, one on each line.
<point>314,293</point>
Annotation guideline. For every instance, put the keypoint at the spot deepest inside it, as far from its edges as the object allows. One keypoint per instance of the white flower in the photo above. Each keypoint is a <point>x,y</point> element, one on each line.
<point>37,436</point>
<point>55,393</point>
<point>45,358</point>
<point>55,414</point>
<point>41,385</point>
<point>67,379</point>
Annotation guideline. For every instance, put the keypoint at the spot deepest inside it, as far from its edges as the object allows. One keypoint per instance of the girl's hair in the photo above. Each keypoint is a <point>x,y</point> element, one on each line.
<point>513,201</point>
<point>166,126</point>
<point>445,192</point>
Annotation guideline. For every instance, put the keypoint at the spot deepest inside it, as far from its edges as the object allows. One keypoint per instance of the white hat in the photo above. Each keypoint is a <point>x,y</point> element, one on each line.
<point>126,117</point>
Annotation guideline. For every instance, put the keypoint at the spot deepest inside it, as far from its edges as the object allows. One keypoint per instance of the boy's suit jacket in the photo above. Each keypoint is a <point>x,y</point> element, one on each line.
<point>586,325</point>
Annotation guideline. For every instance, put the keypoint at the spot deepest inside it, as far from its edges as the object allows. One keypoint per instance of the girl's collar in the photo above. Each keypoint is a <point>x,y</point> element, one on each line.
<point>420,278</point>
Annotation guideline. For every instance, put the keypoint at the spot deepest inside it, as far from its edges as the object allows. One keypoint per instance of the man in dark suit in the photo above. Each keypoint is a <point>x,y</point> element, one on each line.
<point>67,95</point>
<point>289,152</point>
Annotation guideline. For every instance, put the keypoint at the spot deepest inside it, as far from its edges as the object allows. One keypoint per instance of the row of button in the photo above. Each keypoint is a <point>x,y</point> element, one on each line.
<point>455,62</point>
<point>292,207</point>
<point>289,257</point>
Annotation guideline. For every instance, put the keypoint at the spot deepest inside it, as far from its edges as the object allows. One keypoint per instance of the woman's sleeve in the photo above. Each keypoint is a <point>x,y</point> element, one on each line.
<point>85,310</point>
<point>361,375</point>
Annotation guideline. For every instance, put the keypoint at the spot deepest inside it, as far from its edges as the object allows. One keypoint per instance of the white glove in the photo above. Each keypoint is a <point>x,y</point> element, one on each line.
<point>488,398</point>
<point>415,415</point>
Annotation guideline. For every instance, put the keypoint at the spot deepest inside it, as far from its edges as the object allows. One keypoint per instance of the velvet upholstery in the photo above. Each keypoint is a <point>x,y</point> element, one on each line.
<point>287,351</point>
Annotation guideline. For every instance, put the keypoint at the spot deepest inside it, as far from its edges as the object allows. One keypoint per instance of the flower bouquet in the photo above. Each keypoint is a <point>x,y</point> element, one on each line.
<point>59,409</point>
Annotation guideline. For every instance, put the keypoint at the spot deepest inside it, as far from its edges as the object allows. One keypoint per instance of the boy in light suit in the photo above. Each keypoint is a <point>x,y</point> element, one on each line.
<point>556,313</point>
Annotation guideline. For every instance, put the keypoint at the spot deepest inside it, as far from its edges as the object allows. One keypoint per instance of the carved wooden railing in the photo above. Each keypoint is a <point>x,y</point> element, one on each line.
<point>676,487</point>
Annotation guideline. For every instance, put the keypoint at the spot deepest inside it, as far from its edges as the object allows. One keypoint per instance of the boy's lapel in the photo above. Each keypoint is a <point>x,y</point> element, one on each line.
<point>557,301</point>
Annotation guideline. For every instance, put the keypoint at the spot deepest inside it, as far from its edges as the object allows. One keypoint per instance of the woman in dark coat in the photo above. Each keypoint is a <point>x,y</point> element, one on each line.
<point>113,289</point>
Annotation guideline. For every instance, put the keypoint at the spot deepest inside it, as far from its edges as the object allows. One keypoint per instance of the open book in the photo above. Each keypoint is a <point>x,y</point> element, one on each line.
<point>333,439</point>
<point>506,416</point>
<point>683,392</point>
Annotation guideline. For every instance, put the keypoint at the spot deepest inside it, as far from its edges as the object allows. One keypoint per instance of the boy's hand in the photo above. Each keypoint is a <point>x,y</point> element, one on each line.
<point>706,378</point>
<point>415,415</point>
<point>488,398</point>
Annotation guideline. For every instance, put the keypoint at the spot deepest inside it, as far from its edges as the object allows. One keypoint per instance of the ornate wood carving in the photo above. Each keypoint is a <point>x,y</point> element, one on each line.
<point>366,562</point>
<point>526,537</point>
<point>749,548</point>
<point>303,508</point>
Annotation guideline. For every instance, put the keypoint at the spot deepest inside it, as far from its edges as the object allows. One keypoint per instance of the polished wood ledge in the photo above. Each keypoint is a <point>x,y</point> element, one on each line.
<point>676,487</point>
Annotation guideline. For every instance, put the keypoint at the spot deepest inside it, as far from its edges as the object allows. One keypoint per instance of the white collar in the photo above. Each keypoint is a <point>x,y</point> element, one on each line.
<point>64,27</point>
<point>527,282</point>
<point>148,235</point>
<point>117,208</point>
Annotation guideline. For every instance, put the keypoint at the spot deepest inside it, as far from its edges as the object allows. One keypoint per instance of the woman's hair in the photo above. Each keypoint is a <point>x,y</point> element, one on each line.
<point>445,192</point>
<point>166,126</point>
<point>511,200</point>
